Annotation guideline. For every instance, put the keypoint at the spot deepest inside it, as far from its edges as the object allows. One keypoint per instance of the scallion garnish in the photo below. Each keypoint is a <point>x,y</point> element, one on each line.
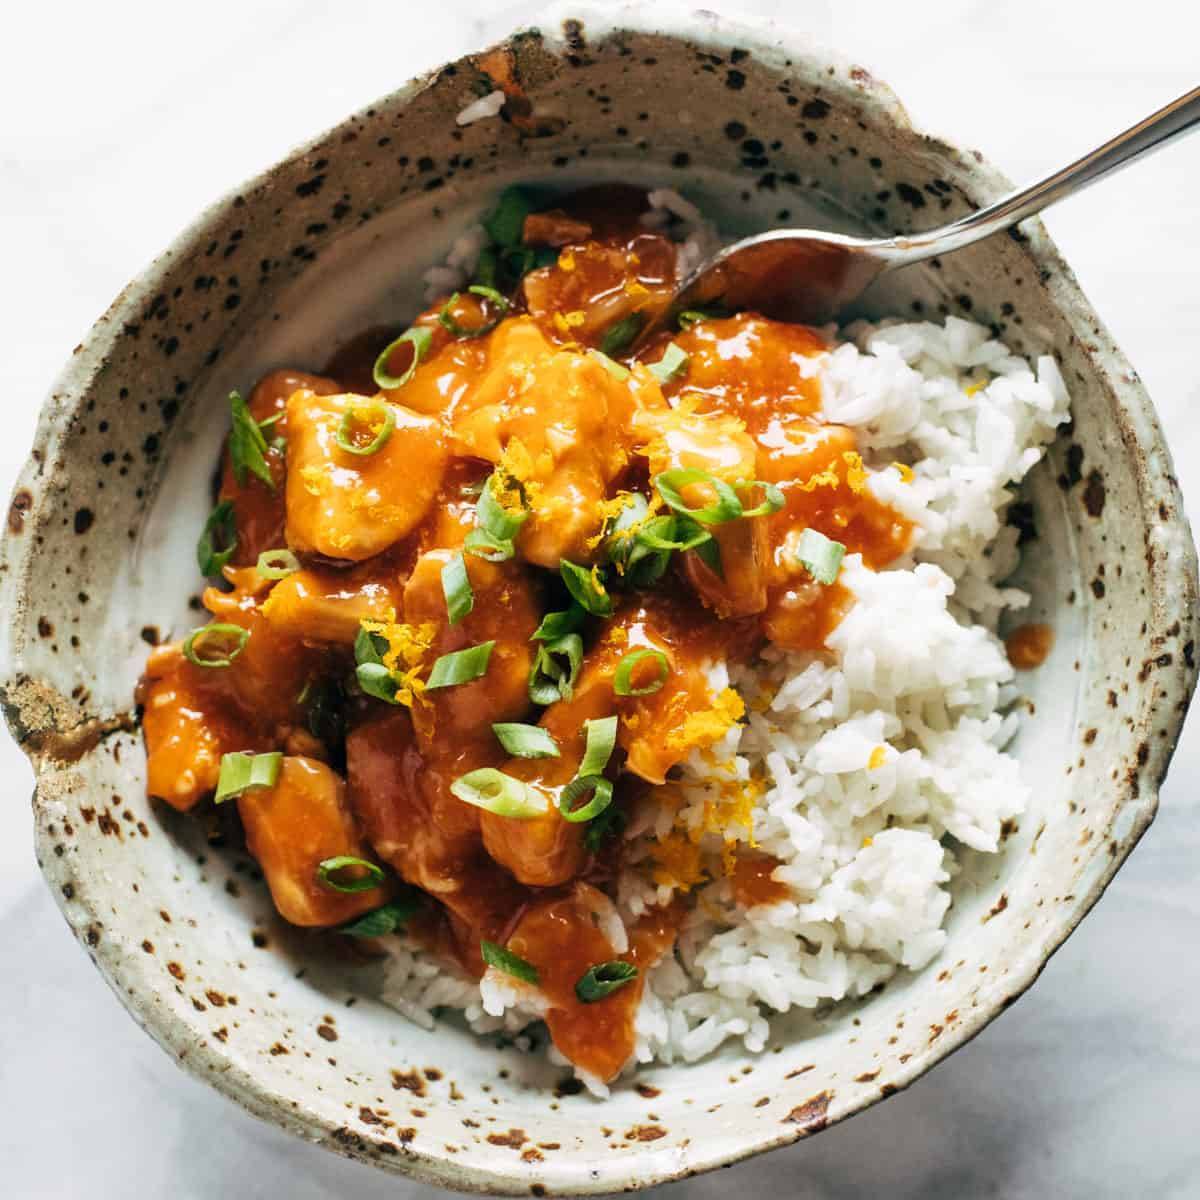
<point>586,587</point>
<point>222,524</point>
<point>555,669</point>
<point>375,417</point>
<point>461,666</point>
<point>525,741</point>
<point>482,544</point>
<point>382,921</point>
<point>602,793</point>
<point>247,446</point>
<point>603,979</point>
<point>493,517</point>
<point>603,826</point>
<point>325,716</point>
<point>820,555</point>
<point>456,587</point>
<point>619,336</point>
<point>600,738</point>
<point>277,564</point>
<point>463,332</point>
<point>508,962</point>
<point>506,223</point>
<point>558,624</point>
<point>362,877</point>
<point>420,338</point>
<point>673,362</point>
<point>672,532</point>
<point>611,365</point>
<point>244,772</point>
<point>670,484</point>
<point>693,316</point>
<point>498,793</point>
<point>623,678</point>
<point>215,645</point>
<point>772,500</point>
<point>709,553</point>
<point>373,677</point>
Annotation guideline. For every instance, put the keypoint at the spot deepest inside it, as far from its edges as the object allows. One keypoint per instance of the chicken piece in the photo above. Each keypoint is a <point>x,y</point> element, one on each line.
<point>323,605</point>
<point>563,937</point>
<point>556,420</point>
<point>186,734</point>
<point>353,506</point>
<point>504,612</point>
<point>716,443</point>
<point>293,827</point>
<point>259,510</point>
<point>656,730</point>
<point>416,824</point>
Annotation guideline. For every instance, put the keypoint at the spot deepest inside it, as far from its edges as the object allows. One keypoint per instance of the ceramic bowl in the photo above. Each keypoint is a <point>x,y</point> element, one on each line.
<point>762,127</point>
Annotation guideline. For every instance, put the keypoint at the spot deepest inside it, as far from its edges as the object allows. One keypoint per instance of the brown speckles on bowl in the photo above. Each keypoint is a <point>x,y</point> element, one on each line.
<point>124,460</point>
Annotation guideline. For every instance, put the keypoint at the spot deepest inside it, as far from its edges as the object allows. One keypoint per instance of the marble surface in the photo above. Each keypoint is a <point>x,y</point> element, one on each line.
<point>121,121</point>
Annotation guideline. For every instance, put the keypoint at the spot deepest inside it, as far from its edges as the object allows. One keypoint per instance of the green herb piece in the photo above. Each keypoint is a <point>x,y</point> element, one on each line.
<point>820,555</point>
<point>614,368</point>
<point>242,773</point>
<point>382,921</point>
<point>603,979</point>
<point>215,645</point>
<point>505,225</point>
<point>456,587</point>
<point>508,962</point>
<point>586,587</point>
<point>349,874</point>
<point>623,678</point>
<point>602,794</point>
<point>558,624</point>
<point>463,332</point>
<point>600,738</point>
<point>670,484</point>
<point>498,793</point>
<point>772,500</point>
<point>221,525</point>
<point>373,677</point>
<point>525,741</point>
<point>555,669</point>
<point>247,446</point>
<point>277,564</point>
<point>420,338</point>
<point>619,336</point>
<point>605,825</point>
<point>673,362</point>
<point>461,666</point>
<point>361,416</point>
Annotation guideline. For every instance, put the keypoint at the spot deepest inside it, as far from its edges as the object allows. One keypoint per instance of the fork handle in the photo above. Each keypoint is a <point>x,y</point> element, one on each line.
<point>1177,118</point>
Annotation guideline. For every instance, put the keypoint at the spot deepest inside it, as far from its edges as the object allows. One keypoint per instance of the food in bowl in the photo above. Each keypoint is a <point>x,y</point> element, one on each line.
<point>642,688</point>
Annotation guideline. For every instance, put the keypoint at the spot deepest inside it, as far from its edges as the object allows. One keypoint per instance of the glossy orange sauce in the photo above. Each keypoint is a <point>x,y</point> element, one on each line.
<point>1028,646</point>
<point>530,398</point>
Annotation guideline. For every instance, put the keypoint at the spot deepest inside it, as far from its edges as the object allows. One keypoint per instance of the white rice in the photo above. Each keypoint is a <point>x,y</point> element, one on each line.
<point>868,853</point>
<point>479,110</point>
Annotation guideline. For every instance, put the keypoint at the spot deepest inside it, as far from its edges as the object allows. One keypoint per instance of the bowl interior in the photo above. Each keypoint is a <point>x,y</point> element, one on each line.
<point>101,560</point>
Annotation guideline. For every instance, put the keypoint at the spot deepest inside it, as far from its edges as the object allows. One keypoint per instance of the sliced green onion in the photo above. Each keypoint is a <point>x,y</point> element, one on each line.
<point>603,979</point>
<point>602,794</point>
<point>357,414</point>
<point>498,793</point>
<point>604,825</point>
<point>369,647</point>
<point>672,532</point>
<point>329,870</point>
<point>373,677</point>
<point>709,553</point>
<point>693,316</point>
<point>325,716</point>
<point>493,518</point>
<point>247,446</point>
<point>558,624</point>
<point>382,921</point>
<point>485,267</point>
<point>673,362</point>
<point>456,587</point>
<point>525,741</point>
<point>222,524</point>
<point>271,420</point>
<point>463,332</point>
<point>670,486</point>
<point>619,336</point>
<point>505,225</point>
<point>772,500</point>
<point>586,587</point>
<point>420,338</point>
<point>200,653</point>
<point>821,555</point>
<point>611,365</point>
<point>245,772</point>
<point>601,739</point>
<point>508,962</point>
<point>277,564</point>
<point>623,679</point>
<point>460,667</point>
<point>481,544</point>
<point>551,678</point>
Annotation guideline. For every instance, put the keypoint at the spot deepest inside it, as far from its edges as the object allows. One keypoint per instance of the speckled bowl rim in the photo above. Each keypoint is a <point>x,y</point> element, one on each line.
<point>1173,597</point>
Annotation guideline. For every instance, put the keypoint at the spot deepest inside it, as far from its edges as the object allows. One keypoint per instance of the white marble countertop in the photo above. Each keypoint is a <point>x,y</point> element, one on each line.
<point>122,121</point>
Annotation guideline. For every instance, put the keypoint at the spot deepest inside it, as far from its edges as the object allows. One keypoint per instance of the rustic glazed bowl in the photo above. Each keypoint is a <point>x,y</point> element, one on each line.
<point>762,127</point>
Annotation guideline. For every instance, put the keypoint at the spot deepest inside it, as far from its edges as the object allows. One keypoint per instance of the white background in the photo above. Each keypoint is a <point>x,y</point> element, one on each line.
<point>119,121</point>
